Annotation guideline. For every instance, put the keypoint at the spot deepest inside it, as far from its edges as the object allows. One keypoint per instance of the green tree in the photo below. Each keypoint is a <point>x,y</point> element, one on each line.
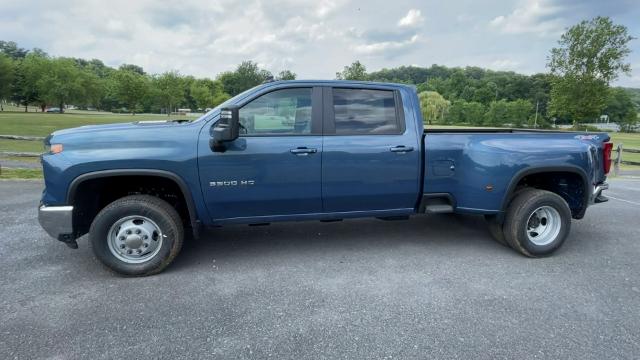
<point>621,109</point>
<point>218,94</point>
<point>355,71</point>
<point>11,49</point>
<point>286,75</point>
<point>7,75</point>
<point>202,95</point>
<point>93,89</point>
<point>133,68</point>
<point>170,89</point>
<point>463,112</point>
<point>246,76</point>
<point>590,55</point>
<point>99,69</point>
<point>60,82</point>
<point>433,106</point>
<point>497,114</point>
<point>512,113</point>
<point>519,112</point>
<point>474,112</point>
<point>130,88</point>
<point>206,93</point>
<point>28,72</point>
<point>634,94</point>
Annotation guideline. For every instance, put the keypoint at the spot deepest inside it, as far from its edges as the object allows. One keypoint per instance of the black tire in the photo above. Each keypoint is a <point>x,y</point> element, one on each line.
<point>495,229</point>
<point>151,207</point>
<point>518,216</point>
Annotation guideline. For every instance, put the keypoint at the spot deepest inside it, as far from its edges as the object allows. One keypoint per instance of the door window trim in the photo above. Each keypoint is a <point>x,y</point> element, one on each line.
<point>329,120</point>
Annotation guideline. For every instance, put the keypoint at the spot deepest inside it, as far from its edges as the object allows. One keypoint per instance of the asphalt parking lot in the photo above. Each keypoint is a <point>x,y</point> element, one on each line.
<point>430,287</point>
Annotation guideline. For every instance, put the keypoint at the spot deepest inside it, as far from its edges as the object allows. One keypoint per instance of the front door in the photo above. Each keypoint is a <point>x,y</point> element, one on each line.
<point>274,168</point>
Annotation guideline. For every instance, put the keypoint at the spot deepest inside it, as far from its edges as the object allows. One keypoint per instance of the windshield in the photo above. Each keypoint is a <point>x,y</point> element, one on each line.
<point>234,99</point>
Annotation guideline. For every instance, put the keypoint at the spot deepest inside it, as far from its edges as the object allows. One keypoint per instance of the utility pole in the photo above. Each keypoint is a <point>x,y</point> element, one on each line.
<point>535,121</point>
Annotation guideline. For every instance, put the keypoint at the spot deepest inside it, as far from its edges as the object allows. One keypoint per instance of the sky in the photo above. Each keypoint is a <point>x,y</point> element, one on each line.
<point>315,39</point>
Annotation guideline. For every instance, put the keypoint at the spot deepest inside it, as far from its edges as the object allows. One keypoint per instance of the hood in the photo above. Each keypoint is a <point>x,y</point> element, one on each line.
<point>121,126</point>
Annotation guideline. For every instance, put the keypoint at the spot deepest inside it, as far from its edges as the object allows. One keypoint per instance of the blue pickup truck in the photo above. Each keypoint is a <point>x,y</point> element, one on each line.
<point>309,150</point>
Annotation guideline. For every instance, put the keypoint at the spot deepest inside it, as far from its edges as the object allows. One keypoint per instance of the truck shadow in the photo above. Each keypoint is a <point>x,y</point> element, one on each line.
<point>447,234</point>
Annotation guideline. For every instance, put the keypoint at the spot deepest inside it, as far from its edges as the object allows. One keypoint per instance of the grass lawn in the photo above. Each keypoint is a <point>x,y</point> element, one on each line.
<point>43,124</point>
<point>629,141</point>
<point>35,160</point>
<point>21,145</point>
<point>21,174</point>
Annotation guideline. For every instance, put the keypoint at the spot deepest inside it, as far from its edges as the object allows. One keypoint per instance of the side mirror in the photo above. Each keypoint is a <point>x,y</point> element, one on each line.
<point>226,129</point>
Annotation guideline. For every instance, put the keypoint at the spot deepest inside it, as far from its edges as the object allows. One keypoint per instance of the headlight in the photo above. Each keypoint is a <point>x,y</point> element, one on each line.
<point>55,148</point>
<point>50,148</point>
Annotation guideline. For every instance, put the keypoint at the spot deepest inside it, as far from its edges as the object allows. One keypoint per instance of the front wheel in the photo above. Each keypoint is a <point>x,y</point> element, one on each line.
<point>537,222</point>
<point>137,235</point>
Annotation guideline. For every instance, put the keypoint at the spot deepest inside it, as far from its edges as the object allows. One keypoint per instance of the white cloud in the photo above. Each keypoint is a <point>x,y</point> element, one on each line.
<point>326,7</point>
<point>533,16</point>
<point>412,19</point>
<point>384,46</point>
<point>504,64</point>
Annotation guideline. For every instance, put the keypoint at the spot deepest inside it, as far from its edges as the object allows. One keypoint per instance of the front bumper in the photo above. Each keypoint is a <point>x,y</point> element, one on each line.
<point>57,221</point>
<point>596,195</point>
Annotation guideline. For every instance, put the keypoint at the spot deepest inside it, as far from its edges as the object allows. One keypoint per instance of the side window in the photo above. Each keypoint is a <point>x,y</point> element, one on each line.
<point>280,112</point>
<point>361,112</point>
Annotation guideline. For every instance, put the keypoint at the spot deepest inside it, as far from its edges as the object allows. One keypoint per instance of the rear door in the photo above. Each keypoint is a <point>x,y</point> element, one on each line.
<point>371,158</point>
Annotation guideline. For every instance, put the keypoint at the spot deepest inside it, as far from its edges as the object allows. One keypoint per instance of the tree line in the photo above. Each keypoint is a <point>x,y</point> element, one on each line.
<point>32,77</point>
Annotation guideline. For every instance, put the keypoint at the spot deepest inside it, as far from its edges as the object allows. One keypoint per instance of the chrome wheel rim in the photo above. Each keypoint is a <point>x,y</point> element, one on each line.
<point>544,225</point>
<point>134,239</point>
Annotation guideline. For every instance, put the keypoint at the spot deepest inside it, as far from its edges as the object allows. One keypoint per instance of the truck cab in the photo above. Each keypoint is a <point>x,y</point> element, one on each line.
<point>314,151</point>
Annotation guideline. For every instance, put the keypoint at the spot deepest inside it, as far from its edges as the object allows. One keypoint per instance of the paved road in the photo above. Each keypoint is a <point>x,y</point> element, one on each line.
<point>431,287</point>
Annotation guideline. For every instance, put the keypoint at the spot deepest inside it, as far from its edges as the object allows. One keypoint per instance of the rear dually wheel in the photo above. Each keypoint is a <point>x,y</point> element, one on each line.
<point>537,222</point>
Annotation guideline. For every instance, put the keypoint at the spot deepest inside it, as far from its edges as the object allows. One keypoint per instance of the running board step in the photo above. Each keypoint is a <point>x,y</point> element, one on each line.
<point>438,209</point>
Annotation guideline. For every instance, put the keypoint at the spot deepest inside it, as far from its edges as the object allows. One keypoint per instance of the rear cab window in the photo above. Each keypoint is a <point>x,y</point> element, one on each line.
<point>365,112</point>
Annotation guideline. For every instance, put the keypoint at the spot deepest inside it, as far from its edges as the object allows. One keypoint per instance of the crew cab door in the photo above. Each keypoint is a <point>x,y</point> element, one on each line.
<point>274,167</point>
<point>371,154</point>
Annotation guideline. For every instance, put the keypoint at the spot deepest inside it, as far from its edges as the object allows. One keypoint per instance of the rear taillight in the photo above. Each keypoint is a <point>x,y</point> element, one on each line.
<point>606,157</point>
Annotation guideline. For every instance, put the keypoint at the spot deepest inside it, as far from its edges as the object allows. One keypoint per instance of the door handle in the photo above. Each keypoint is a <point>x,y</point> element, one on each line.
<point>303,151</point>
<point>401,149</point>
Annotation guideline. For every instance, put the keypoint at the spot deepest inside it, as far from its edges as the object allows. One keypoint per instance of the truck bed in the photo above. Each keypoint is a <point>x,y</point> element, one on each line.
<point>478,168</point>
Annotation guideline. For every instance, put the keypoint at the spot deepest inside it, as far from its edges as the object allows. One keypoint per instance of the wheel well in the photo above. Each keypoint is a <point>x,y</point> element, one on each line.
<point>92,195</point>
<point>569,185</point>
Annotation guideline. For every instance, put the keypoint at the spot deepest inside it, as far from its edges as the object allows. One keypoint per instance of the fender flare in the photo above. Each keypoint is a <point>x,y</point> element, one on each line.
<point>193,216</point>
<point>548,169</point>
